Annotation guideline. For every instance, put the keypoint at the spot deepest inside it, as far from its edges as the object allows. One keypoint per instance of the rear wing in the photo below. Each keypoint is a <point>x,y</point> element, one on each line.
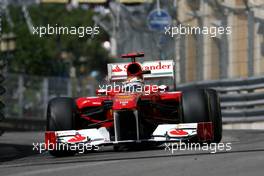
<point>159,69</point>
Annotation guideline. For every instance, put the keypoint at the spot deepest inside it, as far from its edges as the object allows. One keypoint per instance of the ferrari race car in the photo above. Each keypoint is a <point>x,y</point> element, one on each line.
<point>133,113</point>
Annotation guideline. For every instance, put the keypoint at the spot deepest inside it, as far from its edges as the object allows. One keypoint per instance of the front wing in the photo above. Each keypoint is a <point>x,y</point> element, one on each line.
<point>201,132</point>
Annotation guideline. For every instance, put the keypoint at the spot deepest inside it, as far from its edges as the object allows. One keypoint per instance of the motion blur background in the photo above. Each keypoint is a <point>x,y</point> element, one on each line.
<point>37,69</point>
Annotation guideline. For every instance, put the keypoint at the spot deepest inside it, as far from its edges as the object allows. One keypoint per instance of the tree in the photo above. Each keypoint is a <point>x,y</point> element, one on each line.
<point>42,55</point>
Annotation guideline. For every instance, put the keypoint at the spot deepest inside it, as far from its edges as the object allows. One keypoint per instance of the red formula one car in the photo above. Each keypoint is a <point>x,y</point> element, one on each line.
<point>134,112</point>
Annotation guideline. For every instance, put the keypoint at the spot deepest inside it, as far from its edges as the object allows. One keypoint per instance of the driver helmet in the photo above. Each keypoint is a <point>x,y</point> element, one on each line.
<point>134,81</point>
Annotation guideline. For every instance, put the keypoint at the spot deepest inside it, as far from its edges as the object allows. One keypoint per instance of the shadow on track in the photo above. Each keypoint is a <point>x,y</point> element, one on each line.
<point>9,152</point>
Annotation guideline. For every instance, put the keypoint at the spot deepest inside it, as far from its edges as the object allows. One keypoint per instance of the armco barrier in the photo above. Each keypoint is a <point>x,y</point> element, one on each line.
<point>13,124</point>
<point>241,99</point>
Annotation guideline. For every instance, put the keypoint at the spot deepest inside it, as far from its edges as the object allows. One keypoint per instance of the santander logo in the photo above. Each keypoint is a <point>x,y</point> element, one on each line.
<point>177,133</point>
<point>77,138</point>
<point>157,66</point>
<point>145,66</point>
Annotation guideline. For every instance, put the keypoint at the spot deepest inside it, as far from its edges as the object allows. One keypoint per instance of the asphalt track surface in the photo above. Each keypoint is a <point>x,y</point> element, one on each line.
<point>245,158</point>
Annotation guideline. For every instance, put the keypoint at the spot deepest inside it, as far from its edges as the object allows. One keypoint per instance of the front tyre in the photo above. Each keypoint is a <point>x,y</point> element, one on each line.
<point>216,115</point>
<point>202,105</point>
<point>61,115</point>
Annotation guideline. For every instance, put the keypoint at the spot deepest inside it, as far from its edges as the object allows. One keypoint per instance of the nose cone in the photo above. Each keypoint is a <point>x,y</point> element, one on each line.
<point>125,101</point>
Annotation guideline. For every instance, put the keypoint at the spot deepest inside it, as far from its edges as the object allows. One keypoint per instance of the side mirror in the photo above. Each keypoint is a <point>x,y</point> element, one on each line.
<point>163,88</point>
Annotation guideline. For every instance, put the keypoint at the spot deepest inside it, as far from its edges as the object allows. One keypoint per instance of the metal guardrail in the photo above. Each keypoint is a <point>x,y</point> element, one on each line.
<point>241,99</point>
<point>23,125</point>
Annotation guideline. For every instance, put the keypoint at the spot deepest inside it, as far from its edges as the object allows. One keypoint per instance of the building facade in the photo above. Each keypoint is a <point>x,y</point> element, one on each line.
<point>239,53</point>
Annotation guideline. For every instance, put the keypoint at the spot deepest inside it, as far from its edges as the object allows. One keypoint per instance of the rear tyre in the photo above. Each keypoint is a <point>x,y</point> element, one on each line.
<point>202,105</point>
<point>61,115</point>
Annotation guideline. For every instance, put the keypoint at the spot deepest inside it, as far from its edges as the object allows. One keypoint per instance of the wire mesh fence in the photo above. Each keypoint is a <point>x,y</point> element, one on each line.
<point>27,96</point>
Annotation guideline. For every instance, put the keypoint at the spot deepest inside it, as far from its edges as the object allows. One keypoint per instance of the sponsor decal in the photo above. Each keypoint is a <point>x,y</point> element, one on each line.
<point>117,69</point>
<point>177,133</point>
<point>77,138</point>
<point>124,99</point>
<point>161,68</point>
<point>96,103</point>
